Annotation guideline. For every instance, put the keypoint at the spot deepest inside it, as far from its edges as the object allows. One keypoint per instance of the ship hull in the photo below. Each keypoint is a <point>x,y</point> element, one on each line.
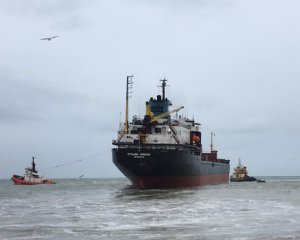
<point>165,168</point>
<point>19,180</point>
<point>245,179</point>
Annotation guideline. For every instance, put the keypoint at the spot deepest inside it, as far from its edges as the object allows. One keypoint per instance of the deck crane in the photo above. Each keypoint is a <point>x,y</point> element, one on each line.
<point>155,118</point>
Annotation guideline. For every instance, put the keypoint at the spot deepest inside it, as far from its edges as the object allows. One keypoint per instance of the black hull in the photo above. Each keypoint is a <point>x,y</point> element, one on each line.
<point>246,179</point>
<point>168,168</point>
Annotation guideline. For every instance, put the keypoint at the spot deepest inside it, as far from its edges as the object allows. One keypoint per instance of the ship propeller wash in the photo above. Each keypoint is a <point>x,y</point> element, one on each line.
<point>158,151</point>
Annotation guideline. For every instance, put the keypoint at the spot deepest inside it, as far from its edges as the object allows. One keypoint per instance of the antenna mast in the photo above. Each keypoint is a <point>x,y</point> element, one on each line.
<point>211,141</point>
<point>164,88</point>
<point>33,165</point>
<point>129,83</point>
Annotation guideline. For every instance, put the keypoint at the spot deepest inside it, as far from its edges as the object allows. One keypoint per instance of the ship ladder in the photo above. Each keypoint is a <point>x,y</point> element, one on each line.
<point>174,134</point>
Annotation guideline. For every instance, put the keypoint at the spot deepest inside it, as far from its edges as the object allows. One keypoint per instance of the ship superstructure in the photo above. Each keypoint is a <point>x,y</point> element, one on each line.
<point>158,151</point>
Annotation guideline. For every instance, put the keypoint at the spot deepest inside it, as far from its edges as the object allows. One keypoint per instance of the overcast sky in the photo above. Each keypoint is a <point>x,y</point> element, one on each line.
<point>233,64</point>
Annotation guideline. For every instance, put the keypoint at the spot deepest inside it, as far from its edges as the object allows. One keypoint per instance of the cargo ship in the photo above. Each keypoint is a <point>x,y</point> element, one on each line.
<point>31,177</point>
<point>158,151</point>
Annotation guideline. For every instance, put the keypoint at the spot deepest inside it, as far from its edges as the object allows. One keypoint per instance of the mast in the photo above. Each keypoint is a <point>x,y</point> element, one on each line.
<point>211,142</point>
<point>129,83</point>
<point>163,85</point>
<point>33,165</point>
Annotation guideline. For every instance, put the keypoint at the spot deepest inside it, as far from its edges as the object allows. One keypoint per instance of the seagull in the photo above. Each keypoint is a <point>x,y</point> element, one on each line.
<point>49,38</point>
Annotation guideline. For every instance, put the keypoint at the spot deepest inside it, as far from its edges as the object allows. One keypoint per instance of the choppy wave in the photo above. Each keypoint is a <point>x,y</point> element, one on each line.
<point>111,209</point>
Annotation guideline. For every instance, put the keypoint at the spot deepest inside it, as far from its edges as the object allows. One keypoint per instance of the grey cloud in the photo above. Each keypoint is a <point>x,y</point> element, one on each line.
<point>61,14</point>
<point>186,4</point>
<point>249,125</point>
<point>232,64</point>
<point>32,8</point>
<point>70,22</point>
<point>30,100</point>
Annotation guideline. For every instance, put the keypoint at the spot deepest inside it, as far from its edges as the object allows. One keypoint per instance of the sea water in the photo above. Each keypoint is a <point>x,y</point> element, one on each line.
<point>112,209</point>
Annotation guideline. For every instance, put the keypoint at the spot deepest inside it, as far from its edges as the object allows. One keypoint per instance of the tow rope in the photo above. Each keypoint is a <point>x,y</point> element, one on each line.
<point>76,161</point>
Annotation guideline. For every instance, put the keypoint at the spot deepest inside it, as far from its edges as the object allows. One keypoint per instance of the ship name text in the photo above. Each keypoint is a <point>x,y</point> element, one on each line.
<point>139,155</point>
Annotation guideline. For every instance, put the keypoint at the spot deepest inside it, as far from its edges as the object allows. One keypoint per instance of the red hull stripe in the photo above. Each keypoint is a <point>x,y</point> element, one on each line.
<point>18,181</point>
<point>177,182</point>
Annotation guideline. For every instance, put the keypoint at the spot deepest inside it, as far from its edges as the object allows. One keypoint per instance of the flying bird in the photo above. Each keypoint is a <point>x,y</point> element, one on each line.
<point>49,38</point>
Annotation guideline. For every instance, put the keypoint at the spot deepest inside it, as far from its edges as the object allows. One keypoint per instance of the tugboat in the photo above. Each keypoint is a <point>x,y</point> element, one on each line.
<point>240,174</point>
<point>31,177</point>
<point>158,151</point>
